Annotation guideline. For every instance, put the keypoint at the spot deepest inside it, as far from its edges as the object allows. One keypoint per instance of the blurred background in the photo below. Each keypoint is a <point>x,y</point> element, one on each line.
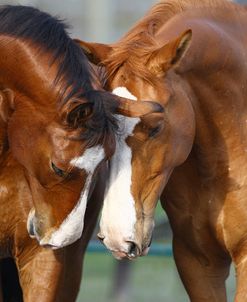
<point>154,277</point>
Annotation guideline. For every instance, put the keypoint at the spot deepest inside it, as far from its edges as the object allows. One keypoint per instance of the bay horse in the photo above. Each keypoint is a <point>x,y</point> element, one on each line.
<point>57,128</point>
<point>190,56</point>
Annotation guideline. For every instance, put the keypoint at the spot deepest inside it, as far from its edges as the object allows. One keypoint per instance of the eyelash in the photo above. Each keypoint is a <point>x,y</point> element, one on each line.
<point>153,132</point>
<point>58,171</point>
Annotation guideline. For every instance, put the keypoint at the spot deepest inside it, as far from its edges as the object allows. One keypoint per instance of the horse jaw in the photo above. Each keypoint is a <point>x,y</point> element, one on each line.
<point>71,228</point>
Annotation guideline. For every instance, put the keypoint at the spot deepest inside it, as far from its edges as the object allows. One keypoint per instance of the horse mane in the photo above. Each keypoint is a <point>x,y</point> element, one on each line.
<point>50,34</point>
<point>161,12</point>
<point>139,41</point>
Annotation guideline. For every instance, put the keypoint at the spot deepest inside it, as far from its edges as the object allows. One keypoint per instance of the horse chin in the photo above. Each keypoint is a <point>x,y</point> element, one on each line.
<point>123,255</point>
<point>48,245</point>
<point>131,256</point>
<point>119,255</point>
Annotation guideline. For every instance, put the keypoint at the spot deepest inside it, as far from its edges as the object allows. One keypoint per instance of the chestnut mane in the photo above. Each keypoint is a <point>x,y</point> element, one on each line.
<point>139,42</point>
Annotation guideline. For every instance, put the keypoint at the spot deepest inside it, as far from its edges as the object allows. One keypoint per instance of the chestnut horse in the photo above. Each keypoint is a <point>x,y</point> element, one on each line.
<point>57,129</point>
<point>190,56</point>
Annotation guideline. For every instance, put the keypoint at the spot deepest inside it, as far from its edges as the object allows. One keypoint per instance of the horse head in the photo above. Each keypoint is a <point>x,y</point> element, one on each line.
<point>60,152</point>
<point>151,146</point>
<point>58,122</point>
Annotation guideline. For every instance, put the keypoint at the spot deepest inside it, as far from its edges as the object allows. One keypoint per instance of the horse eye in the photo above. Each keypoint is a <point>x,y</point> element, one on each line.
<point>87,111</point>
<point>79,114</point>
<point>58,171</point>
<point>152,132</point>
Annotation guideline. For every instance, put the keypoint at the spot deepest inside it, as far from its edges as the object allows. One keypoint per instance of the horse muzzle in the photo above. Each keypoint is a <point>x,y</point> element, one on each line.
<point>31,228</point>
<point>128,249</point>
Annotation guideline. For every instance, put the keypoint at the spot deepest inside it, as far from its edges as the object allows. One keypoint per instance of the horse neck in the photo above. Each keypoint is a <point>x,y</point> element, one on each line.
<point>26,69</point>
<point>15,202</point>
<point>216,75</point>
<point>163,11</point>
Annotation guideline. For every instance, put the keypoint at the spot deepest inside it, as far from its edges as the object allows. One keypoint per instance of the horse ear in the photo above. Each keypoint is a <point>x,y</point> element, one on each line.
<point>6,104</point>
<point>77,113</point>
<point>96,52</point>
<point>132,108</point>
<point>170,54</point>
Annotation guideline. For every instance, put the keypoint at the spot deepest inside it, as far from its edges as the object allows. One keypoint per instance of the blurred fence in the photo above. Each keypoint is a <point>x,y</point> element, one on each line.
<point>156,249</point>
<point>95,20</point>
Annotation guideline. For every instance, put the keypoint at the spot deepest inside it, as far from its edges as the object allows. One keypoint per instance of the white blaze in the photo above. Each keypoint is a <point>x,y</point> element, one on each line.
<point>71,228</point>
<point>119,215</point>
<point>124,92</point>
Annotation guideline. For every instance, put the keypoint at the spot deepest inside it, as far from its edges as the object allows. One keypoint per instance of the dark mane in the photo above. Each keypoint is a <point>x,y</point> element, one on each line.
<point>103,124</point>
<point>51,34</point>
<point>74,69</point>
<point>136,45</point>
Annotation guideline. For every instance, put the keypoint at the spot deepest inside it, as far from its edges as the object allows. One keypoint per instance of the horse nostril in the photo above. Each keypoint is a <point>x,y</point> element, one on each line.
<point>100,237</point>
<point>31,229</point>
<point>30,224</point>
<point>133,250</point>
